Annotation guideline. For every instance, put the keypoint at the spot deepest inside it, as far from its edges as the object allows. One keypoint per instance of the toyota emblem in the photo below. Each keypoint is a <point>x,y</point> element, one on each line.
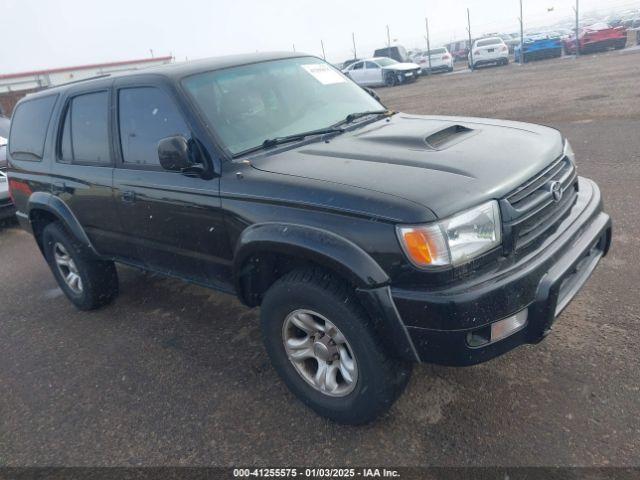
<point>556,191</point>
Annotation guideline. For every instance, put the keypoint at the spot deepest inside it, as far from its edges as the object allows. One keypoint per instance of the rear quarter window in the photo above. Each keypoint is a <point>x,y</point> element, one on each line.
<point>491,41</point>
<point>29,128</point>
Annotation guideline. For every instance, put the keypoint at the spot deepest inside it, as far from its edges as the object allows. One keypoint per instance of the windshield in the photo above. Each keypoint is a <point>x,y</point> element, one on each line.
<point>437,51</point>
<point>486,43</point>
<point>247,105</point>
<point>385,62</point>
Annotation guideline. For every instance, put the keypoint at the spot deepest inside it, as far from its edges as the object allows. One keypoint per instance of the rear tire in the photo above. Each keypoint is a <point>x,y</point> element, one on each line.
<point>87,281</point>
<point>314,297</point>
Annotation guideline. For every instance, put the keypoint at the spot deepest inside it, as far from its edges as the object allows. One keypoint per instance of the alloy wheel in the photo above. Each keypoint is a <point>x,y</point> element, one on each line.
<point>67,268</point>
<point>320,353</point>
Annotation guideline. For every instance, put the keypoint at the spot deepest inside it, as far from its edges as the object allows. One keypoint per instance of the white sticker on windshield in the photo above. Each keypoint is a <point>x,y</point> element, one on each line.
<point>324,74</point>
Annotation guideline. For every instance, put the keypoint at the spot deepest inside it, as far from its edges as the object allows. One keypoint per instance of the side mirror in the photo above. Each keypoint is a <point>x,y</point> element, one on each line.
<point>173,153</point>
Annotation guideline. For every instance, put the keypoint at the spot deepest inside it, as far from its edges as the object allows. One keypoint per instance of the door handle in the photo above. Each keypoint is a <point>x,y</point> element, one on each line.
<point>128,196</point>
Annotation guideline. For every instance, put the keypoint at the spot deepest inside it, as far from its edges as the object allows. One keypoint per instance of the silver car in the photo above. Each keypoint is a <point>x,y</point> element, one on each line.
<point>382,71</point>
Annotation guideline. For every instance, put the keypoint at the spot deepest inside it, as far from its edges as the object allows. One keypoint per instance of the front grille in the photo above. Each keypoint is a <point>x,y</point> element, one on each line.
<point>531,213</point>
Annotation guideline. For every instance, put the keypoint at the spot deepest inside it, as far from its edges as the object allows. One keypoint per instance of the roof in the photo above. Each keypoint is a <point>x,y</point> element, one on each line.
<point>85,67</point>
<point>184,69</point>
<point>176,71</point>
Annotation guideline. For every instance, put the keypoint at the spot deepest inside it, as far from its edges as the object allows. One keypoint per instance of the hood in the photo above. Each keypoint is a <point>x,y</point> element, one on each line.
<point>445,164</point>
<point>402,66</point>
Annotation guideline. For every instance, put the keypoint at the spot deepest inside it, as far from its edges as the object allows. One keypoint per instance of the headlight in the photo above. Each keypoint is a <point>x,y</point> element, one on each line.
<point>453,241</point>
<point>568,152</point>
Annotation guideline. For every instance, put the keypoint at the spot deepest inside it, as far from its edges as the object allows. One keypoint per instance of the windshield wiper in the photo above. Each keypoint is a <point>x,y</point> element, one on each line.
<point>354,116</point>
<point>272,142</point>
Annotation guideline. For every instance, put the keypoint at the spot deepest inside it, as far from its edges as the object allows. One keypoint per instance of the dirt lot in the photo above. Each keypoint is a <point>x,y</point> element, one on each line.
<point>175,374</point>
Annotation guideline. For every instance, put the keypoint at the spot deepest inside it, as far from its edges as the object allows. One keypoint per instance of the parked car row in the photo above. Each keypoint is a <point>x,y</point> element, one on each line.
<point>494,49</point>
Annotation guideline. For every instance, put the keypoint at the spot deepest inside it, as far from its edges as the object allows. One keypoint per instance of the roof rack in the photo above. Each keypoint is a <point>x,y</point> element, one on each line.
<point>95,77</point>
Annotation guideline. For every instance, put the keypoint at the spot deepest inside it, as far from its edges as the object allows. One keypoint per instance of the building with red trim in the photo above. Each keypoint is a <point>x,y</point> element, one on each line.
<point>14,86</point>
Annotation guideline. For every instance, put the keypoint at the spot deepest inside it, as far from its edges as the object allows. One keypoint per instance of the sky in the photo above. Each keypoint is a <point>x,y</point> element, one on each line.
<point>41,34</point>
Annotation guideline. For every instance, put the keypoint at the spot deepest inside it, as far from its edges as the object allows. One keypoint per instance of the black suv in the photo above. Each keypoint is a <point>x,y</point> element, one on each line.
<point>370,239</point>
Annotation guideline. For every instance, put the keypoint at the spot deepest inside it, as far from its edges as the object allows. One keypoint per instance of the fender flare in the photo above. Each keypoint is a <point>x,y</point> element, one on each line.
<point>57,207</point>
<point>341,256</point>
<point>311,243</point>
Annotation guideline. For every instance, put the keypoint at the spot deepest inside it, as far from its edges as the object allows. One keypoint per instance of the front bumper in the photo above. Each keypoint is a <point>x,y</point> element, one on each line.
<point>439,323</point>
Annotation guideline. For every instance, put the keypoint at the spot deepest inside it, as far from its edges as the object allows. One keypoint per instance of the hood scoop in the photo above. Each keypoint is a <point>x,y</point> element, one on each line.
<point>448,136</point>
<point>439,138</point>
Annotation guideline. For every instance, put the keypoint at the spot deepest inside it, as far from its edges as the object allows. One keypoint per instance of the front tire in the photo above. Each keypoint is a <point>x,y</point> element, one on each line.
<point>390,80</point>
<point>324,347</point>
<point>87,281</point>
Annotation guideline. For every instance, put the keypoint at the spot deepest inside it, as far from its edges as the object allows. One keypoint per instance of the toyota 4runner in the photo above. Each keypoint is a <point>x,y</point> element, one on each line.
<point>369,239</point>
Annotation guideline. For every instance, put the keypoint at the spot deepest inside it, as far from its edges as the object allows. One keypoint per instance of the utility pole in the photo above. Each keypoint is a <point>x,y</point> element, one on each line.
<point>521,35</point>
<point>426,23</point>
<point>388,43</point>
<point>323,55</point>
<point>294,48</point>
<point>577,9</point>
<point>355,53</point>
<point>470,42</point>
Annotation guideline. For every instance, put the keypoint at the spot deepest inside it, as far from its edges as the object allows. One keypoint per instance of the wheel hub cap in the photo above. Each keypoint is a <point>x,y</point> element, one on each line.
<point>320,353</point>
<point>323,349</point>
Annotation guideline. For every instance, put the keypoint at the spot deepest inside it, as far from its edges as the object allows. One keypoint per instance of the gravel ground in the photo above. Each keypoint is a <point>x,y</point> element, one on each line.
<point>173,374</point>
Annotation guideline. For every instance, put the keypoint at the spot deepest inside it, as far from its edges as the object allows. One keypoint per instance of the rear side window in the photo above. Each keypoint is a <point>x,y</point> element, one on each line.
<point>491,41</point>
<point>85,133</point>
<point>146,116</point>
<point>29,128</point>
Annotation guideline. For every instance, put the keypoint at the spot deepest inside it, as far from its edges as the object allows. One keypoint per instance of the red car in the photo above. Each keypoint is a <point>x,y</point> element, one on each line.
<point>597,37</point>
